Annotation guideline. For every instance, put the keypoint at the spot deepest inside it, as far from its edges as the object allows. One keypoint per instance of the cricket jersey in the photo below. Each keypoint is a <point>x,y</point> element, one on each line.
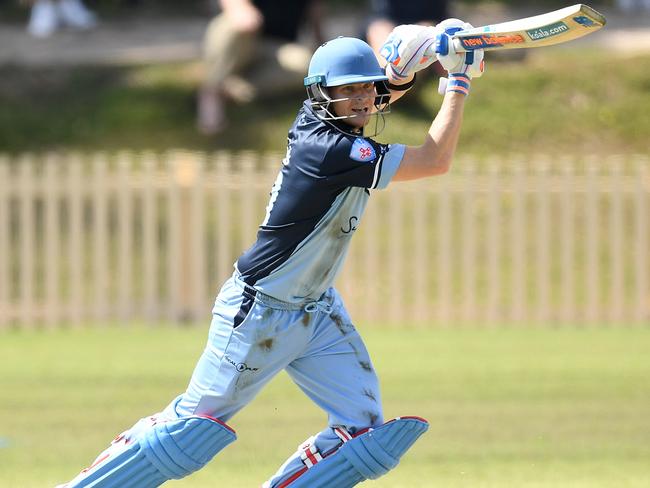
<point>315,207</point>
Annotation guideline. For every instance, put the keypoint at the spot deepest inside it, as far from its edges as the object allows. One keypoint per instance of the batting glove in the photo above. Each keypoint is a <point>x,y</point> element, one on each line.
<point>407,49</point>
<point>462,67</point>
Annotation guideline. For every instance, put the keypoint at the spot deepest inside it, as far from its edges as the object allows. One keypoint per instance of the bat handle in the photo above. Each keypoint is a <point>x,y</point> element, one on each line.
<point>458,45</point>
<point>441,46</point>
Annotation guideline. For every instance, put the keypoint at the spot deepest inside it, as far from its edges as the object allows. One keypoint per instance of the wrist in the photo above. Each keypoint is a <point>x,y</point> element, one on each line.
<point>459,83</point>
<point>401,85</point>
<point>395,78</point>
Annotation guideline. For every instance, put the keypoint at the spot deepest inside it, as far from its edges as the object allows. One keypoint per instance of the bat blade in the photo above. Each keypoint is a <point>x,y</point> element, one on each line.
<point>547,29</point>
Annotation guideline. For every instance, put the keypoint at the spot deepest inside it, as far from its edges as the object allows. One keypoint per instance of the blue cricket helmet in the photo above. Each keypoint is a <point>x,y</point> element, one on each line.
<point>342,61</point>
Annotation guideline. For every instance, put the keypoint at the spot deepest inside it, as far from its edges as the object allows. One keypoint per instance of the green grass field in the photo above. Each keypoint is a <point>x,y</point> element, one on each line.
<point>508,407</point>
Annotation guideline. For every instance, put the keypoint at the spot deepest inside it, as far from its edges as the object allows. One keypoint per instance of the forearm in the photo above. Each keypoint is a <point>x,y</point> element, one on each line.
<point>434,156</point>
<point>445,131</point>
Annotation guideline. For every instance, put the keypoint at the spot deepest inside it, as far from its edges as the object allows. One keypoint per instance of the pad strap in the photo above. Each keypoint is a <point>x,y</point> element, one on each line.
<point>310,455</point>
<point>342,433</point>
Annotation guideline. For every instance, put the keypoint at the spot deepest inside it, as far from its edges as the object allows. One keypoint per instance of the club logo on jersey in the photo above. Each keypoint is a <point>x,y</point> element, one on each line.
<point>362,151</point>
<point>352,221</point>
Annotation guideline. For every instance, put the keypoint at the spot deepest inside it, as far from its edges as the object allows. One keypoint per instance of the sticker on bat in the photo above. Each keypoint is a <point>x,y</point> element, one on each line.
<point>582,20</point>
<point>485,40</point>
<point>547,31</point>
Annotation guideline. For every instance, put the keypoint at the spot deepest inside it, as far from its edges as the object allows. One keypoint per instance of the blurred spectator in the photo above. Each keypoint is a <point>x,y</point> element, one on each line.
<point>387,14</point>
<point>252,46</point>
<point>633,6</point>
<point>48,15</point>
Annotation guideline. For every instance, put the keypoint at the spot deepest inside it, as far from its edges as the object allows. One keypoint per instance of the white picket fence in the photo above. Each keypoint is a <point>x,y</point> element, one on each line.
<point>97,238</point>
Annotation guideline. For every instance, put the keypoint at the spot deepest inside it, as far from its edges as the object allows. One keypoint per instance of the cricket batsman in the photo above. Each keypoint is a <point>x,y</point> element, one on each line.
<point>279,310</point>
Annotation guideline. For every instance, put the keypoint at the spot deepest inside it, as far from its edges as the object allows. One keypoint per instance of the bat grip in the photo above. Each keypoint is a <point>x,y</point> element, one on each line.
<point>438,47</point>
<point>458,46</point>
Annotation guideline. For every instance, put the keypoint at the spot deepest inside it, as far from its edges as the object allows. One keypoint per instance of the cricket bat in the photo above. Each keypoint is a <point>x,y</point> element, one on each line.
<point>547,29</point>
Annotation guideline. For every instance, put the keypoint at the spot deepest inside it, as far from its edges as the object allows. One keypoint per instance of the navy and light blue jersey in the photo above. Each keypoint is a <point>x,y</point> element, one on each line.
<point>315,207</point>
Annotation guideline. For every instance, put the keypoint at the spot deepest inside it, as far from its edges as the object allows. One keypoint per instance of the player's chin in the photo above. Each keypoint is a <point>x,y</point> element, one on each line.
<point>359,119</point>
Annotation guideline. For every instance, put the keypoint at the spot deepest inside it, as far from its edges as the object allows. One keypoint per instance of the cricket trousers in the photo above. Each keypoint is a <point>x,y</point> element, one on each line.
<point>253,337</point>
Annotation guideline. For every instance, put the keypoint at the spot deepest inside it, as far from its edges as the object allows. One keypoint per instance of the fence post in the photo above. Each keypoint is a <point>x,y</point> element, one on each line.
<point>246,199</point>
<point>494,244</point>
<point>642,243</point>
<point>174,237</point>
<point>150,247</point>
<point>542,241</point>
<point>224,216</point>
<point>421,248</point>
<point>197,219</point>
<point>100,182</point>
<point>125,233</point>
<point>592,244</point>
<point>26,242</point>
<point>52,273</point>
<point>396,310</point>
<point>75,248</point>
<point>443,233</point>
<point>616,236</point>
<point>4,241</point>
<point>468,244</point>
<point>567,241</point>
<point>184,174</point>
<point>371,261</point>
<point>519,245</point>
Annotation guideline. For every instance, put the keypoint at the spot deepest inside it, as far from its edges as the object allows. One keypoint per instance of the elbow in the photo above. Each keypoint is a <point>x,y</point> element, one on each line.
<point>438,161</point>
<point>444,168</point>
<point>434,167</point>
<point>442,165</point>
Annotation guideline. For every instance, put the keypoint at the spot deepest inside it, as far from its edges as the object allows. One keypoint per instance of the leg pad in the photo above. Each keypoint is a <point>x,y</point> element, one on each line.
<point>167,450</point>
<point>366,456</point>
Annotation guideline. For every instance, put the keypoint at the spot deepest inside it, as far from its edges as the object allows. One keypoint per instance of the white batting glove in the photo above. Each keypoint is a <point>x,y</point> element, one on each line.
<point>462,67</point>
<point>407,49</point>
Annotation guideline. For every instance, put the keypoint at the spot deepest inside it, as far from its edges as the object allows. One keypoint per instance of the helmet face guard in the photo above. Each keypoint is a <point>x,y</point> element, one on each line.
<point>346,61</point>
<point>322,105</point>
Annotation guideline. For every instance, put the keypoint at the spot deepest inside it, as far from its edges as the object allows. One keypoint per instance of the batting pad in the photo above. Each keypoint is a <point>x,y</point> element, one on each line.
<point>168,450</point>
<point>367,456</point>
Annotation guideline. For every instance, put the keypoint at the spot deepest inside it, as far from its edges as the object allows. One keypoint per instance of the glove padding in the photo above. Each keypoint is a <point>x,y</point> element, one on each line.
<point>469,63</point>
<point>407,49</point>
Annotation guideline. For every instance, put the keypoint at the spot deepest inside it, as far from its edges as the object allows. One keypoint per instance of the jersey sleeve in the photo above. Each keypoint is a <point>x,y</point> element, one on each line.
<point>361,162</point>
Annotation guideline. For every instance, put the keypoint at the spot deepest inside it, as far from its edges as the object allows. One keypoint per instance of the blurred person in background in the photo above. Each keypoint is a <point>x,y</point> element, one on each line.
<point>49,15</point>
<point>252,46</point>
<point>385,15</point>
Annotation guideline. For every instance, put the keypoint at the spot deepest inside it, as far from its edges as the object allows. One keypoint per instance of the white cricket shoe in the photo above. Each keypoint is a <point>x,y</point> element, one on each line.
<point>74,13</point>
<point>43,19</point>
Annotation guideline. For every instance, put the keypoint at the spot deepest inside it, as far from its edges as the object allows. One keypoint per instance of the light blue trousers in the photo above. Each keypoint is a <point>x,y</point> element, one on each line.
<point>253,337</point>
